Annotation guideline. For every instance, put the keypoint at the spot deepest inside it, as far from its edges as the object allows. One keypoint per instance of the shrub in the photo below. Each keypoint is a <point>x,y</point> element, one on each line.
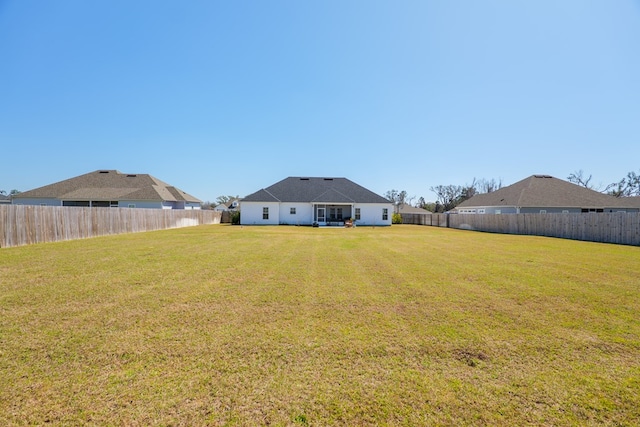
<point>235,218</point>
<point>396,218</point>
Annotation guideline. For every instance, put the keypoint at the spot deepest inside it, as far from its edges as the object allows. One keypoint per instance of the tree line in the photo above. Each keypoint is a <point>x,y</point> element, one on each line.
<point>447,196</point>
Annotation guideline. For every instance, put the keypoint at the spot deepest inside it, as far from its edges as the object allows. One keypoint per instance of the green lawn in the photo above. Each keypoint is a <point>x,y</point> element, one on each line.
<point>403,325</point>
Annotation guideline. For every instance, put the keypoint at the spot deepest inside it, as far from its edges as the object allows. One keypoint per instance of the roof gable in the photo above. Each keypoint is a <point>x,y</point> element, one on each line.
<point>315,189</point>
<point>333,195</point>
<point>261,196</point>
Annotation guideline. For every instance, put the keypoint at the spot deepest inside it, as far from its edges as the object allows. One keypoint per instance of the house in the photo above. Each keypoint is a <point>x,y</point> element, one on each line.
<point>310,201</point>
<point>231,206</point>
<point>5,200</point>
<point>545,194</point>
<point>408,209</point>
<point>110,188</point>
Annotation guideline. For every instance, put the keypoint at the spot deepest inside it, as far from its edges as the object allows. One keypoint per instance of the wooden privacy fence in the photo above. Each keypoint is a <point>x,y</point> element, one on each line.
<point>618,227</point>
<point>24,225</point>
<point>435,220</point>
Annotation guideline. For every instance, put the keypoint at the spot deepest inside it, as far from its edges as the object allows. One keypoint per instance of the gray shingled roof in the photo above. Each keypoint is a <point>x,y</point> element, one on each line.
<point>547,191</point>
<point>316,190</point>
<point>110,185</point>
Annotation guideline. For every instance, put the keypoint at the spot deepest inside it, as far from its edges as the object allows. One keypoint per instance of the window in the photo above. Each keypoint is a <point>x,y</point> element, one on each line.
<point>357,214</point>
<point>385,214</point>
<point>498,211</point>
<point>481,211</point>
<point>132,206</point>
<point>81,203</point>
<point>543,211</point>
<point>292,211</point>
<point>565,211</point>
<point>265,213</point>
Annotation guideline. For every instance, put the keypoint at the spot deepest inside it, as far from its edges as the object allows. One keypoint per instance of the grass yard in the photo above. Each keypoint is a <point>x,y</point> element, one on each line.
<point>404,325</point>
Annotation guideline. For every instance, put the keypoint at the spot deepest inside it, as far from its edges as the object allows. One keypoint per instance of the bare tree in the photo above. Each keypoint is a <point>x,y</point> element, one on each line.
<point>448,196</point>
<point>578,177</point>
<point>225,199</point>
<point>398,198</point>
<point>627,187</point>
<point>488,185</point>
<point>392,195</point>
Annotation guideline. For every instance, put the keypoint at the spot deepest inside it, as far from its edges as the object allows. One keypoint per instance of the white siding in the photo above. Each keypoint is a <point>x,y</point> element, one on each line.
<point>371,213</point>
<point>280,213</point>
<point>303,215</point>
<point>251,213</point>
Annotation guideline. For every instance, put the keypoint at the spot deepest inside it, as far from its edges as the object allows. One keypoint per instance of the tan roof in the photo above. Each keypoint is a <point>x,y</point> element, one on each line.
<point>408,209</point>
<point>111,185</point>
<point>547,191</point>
<point>629,202</point>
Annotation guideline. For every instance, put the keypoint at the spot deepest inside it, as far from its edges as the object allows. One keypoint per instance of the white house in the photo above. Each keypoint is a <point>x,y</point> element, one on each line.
<point>230,206</point>
<point>109,188</point>
<point>308,201</point>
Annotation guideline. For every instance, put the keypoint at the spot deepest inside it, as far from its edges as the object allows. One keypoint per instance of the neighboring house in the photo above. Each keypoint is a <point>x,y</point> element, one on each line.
<point>110,188</point>
<point>308,201</point>
<point>231,205</point>
<point>408,209</point>
<point>5,200</point>
<point>545,194</point>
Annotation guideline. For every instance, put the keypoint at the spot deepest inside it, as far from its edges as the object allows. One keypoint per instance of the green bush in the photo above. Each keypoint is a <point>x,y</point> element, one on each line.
<point>396,218</point>
<point>235,218</point>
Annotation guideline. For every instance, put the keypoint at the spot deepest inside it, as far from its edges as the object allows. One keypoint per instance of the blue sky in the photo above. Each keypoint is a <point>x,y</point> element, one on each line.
<point>227,97</point>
